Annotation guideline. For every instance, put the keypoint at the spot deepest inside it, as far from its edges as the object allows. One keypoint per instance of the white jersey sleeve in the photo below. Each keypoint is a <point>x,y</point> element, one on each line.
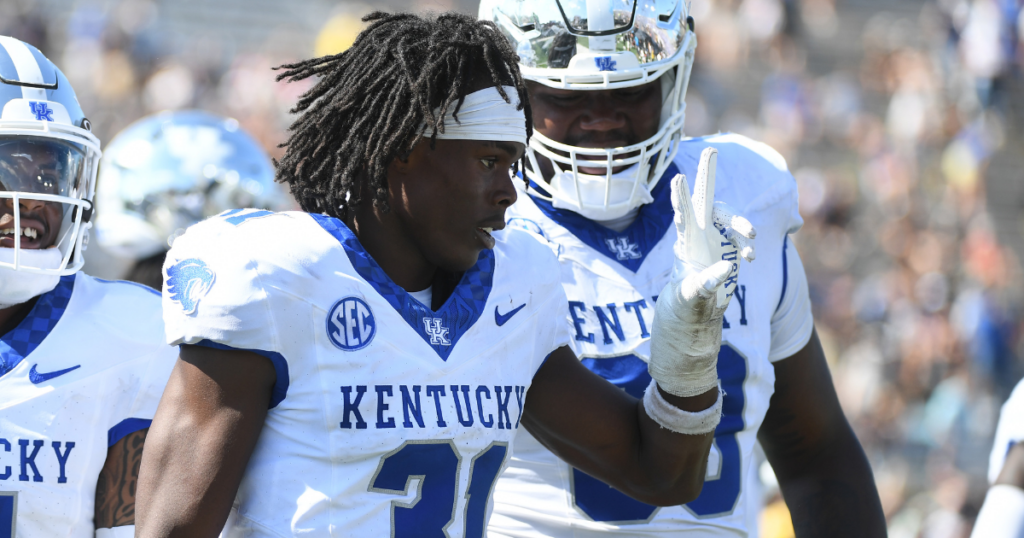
<point>792,323</point>
<point>212,290</point>
<point>1009,431</point>
<point>214,287</point>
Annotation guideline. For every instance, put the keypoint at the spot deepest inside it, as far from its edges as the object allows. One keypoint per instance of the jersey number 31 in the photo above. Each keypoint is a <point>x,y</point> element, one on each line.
<point>436,464</point>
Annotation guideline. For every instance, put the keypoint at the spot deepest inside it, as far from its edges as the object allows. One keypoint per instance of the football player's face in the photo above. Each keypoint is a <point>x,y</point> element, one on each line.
<point>595,119</point>
<point>448,197</point>
<point>32,168</point>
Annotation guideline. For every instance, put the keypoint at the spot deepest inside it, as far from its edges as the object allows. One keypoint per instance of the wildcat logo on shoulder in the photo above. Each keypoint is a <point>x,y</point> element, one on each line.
<point>188,281</point>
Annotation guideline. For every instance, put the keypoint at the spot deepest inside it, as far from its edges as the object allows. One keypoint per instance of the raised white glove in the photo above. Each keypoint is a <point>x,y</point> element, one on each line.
<point>687,330</point>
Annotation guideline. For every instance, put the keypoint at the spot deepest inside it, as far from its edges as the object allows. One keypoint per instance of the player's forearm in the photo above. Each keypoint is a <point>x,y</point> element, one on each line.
<point>659,467</point>
<point>831,492</point>
<point>182,484</point>
<point>607,434</point>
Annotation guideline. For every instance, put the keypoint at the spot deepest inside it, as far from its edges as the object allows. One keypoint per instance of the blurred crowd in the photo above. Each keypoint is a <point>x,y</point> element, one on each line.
<point>888,120</point>
<point>888,115</point>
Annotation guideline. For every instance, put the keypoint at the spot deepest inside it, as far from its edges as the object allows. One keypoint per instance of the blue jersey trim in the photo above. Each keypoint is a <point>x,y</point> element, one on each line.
<point>629,247</point>
<point>462,309</point>
<point>26,337</point>
<point>136,284</point>
<point>280,367</point>
<point>125,428</point>
<point>785,273</point>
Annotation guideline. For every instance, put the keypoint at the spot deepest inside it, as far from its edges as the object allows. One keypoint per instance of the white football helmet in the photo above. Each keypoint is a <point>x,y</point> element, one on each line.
<point>166,172</point>
<point>48,156</point>
<point>589,45</point>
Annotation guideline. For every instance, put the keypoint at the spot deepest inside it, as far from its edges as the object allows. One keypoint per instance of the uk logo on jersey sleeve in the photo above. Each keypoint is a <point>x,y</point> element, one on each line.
<point>188,281</point>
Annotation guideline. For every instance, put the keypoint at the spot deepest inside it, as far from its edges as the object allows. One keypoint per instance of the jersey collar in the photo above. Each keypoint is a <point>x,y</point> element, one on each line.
<point>629,247</point>
<point>441,330</point>
<point>26,337</point>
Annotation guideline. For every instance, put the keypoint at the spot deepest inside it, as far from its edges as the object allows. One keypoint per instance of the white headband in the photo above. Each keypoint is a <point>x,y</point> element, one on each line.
<point>486,116</point>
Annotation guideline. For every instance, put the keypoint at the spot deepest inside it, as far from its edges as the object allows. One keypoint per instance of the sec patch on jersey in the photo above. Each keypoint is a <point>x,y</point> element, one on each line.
<point>350,324</point>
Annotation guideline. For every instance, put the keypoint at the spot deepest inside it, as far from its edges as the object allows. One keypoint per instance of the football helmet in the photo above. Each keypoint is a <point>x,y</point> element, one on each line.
<point>589,45</point>
<point>166,172</point>
<point>48,163</point>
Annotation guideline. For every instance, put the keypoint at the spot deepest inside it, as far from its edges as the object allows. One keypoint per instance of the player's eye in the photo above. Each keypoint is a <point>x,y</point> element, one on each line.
<point>489,162</point>
<point>630,93</point>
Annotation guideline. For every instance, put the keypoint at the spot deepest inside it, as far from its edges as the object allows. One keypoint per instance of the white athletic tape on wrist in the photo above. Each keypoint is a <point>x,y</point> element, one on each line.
<point>687,333</point>
<point>672,418</point>
<point>126,531</point>
<point>485,115</point>
<point>1002,514</point>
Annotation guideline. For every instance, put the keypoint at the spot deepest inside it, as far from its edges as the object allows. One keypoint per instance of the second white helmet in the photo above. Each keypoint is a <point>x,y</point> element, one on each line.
<point>589,45</point>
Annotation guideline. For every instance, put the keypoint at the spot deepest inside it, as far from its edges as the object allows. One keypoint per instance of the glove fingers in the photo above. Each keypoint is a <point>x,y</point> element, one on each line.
<point>713,277</point>
<point>726,217</point>
<point>745,246</point>
<point>704,188</point>
<point>684,216</point>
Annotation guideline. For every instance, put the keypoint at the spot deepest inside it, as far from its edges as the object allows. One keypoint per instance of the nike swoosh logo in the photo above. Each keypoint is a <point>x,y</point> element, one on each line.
<point>502,319</point>
<point>37,378</point>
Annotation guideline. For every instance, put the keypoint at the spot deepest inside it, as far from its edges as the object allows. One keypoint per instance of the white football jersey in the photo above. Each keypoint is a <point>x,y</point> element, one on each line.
<point>612,280</point>
<point>387,418</point>
<point>90,364</point>
<point>1009,431</point>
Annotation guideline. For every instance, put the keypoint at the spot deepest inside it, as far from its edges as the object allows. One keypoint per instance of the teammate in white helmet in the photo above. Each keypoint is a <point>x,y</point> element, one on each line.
<point>161,175</point>
<point>82,360</point>
<point>397,340</point>
<point>1002,514</point>
<point>607,82</point>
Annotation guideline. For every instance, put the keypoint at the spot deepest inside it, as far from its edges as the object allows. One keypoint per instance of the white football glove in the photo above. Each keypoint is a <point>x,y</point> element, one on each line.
<point>687,331</point>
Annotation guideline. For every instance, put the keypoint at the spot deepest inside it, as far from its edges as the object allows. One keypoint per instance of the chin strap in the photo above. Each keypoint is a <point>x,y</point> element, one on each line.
<point>126,531</point>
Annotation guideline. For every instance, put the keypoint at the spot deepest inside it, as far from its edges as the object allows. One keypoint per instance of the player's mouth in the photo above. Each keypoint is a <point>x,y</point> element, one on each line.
<point>483,233</point>
<point>29,236</point>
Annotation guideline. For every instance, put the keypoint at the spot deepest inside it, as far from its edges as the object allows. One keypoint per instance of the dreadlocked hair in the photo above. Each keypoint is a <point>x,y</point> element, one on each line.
<point>373,101</point>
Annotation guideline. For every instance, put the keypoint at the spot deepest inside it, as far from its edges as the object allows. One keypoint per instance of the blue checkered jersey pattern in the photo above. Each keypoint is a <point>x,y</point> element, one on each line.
<point>26,337</point>
<point>630,246</point>
<point>459,312</point>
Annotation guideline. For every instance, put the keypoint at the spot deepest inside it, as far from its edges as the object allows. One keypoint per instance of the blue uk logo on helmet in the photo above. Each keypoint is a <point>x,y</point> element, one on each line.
<point>188,281</point>
<point>41,110</point>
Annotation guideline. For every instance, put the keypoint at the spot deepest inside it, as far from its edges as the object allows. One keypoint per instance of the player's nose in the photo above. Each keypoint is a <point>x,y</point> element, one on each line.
<point>504,193</point>
<point>30,204</point>
<point>602,114</point>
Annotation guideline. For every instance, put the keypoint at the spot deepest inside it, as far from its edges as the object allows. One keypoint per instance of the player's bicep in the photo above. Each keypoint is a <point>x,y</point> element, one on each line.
<point>115,488</point>
<point>1012,473</point>
<point>204,432</point>
<point>804,413</point>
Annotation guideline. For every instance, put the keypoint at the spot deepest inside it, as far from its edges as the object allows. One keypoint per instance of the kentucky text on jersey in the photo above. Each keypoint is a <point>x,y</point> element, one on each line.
<point>403,402</point>
<point>30,450</point>
<point>586,318</point>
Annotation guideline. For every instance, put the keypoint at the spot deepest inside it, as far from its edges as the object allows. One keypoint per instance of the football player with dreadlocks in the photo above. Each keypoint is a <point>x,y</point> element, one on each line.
<point>82,360</point>
<point>607,81</point>
<point>361,367</point>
